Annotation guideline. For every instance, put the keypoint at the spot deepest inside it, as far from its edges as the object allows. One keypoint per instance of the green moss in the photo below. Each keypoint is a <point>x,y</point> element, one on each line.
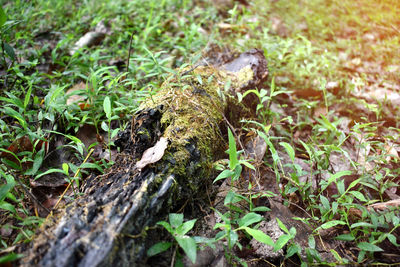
<point>193,108</point>
<point>240,78</point>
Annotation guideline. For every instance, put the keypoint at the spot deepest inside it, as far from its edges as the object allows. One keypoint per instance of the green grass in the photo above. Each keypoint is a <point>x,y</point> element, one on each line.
<point>308,44</point>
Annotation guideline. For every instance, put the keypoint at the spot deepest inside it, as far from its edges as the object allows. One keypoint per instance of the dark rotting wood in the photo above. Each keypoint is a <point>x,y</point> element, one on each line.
<point>108,224</point>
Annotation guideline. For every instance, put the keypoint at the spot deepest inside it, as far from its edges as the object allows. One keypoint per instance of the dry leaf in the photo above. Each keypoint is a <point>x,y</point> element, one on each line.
<point>385,205</point>
<point>19,145</point>
<point>391,192</point>
<point>390,151</point>
<point>278,26</point>
<point>153,154</point>
<point>92,38</point>
<point>321,110</point>
<point>89,39</point>
<point>23,144</point>
<point>74,98</point>
<point>226,27</point>
<point>382,94</point>
<point>364,153</point>
<point>256,148</point>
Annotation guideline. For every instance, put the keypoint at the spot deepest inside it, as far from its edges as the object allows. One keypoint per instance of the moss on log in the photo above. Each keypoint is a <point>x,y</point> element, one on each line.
<point>108,224</point>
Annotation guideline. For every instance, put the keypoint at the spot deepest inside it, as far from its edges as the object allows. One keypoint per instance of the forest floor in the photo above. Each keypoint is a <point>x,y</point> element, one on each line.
<point>325,139</point>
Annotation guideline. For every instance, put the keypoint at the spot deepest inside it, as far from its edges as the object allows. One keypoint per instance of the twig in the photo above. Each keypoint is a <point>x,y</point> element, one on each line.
<point>173,256</point>
<point>190,70</point>
<point>129,53</point>
<point>384,27</point>
<point>394,28</point>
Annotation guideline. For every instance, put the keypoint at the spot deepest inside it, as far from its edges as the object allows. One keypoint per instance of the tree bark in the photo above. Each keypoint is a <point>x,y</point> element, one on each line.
<point>108,224</point>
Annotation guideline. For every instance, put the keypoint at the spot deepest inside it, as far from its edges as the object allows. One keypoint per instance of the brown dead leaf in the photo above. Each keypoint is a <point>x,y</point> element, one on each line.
<point>153,154</point>
<point>363,153</point>
<point>50,202</point>
<point>381,94</point>
<point>226,27</point>
<point>385,205</point>
<point>278,26</point>
<point>391,151</point>
<point>19,145</point>
<point>307,93</point>
<point>256,148</point>
<point>391,193</point>
<point>87,134</point>
<point>320,110</point>
<point>354,213</point>
<point>73,97</point>
<point>23,144</point>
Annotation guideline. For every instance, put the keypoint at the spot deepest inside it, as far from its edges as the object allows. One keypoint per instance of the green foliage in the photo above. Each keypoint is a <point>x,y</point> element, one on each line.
<point>178,229</point>
<point>236,220</point>
<point>10,257</point>
<point>3,17</point>
<point>10,204</point>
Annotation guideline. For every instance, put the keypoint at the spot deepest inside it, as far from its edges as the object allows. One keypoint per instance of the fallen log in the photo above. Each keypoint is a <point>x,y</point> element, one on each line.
<point>166,160</point>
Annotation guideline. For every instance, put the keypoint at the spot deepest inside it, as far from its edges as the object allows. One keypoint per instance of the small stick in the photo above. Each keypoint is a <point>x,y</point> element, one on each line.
<point>173,256</point>
<point>129,53</point>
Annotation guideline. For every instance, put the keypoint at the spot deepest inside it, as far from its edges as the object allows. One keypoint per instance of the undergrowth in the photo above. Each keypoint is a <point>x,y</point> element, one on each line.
<point>331,142</point>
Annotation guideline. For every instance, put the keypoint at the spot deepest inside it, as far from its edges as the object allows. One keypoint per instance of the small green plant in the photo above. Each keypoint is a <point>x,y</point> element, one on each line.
<point>265,98</point>
<point>178,229</point>
<point>237,220</point>
<point>11,206</point>
<point>107,127</point>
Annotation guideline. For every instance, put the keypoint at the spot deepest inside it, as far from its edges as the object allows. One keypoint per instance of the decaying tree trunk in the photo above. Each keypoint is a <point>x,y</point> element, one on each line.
<point>179,128</point>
